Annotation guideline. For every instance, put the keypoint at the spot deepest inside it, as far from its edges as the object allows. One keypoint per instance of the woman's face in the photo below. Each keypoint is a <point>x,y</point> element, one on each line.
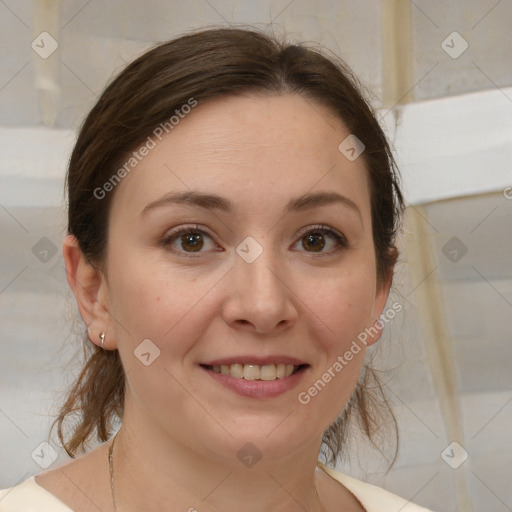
<point>274,279</point>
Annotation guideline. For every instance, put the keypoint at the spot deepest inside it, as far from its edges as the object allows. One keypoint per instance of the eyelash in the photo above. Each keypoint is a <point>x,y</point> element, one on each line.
<point>318,229</point>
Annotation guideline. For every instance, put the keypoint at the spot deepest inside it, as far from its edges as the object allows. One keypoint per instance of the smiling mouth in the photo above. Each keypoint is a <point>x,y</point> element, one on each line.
<point>257,372</point>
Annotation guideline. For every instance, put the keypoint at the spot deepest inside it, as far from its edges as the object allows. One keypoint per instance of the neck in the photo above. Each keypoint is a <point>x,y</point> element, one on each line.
<point>155,469</point>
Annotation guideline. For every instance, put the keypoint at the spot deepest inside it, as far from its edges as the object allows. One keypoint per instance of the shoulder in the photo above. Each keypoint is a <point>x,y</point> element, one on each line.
<point>82,484</point>
<point>28,496</point>
<point>373,498</point>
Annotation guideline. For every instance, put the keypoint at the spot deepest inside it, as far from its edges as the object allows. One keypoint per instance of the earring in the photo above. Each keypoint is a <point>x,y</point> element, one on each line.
<point>102,339</point>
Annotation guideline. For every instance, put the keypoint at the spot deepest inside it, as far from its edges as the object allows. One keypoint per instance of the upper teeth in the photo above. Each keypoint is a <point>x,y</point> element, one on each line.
<point>255,372</point>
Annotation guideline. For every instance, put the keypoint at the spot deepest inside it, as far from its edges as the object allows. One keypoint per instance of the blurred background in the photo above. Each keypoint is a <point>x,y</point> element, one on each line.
<point>440,76</point>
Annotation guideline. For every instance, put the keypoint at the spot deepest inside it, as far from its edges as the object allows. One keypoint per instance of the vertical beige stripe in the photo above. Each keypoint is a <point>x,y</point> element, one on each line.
<point>438,344</point>
<point>397,52</point>
<point>398,88</point>
<point>47,18</point>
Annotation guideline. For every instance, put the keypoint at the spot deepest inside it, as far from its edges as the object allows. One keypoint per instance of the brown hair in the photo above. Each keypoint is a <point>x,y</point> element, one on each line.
<point>204,65</point>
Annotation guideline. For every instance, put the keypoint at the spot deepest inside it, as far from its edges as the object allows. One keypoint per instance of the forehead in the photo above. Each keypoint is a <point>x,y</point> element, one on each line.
<point>259,151</point>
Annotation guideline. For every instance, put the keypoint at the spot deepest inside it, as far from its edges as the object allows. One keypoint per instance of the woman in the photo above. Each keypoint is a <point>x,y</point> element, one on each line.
<point>233,206</point>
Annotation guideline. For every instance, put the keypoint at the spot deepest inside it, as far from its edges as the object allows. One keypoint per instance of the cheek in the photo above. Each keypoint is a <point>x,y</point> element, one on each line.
<point>345,306</point>
<point>150,300</point>
<point>151,303</point>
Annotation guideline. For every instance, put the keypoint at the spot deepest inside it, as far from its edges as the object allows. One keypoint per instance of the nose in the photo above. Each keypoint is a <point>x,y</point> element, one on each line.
<point>260,297</point>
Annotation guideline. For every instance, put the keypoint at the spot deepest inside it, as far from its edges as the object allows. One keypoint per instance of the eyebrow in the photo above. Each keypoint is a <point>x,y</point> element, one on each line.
<point>215,202</point>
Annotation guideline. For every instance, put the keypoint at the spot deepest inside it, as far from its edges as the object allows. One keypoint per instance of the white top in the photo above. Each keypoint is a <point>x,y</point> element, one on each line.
<point>31,497</point>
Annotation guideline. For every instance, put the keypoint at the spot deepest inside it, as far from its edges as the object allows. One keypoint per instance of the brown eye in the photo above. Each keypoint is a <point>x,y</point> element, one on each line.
<point>315,241</point>
<point>318,238</point>
<point>192,241</point>
<point>186,241</point>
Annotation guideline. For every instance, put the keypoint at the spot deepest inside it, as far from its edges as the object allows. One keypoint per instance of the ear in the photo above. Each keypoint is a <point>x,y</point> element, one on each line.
<point>91,292</point>
<point>381,296</point>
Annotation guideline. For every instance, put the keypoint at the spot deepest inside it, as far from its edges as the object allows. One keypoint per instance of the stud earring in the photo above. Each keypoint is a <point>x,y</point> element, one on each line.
<point>102,339</point>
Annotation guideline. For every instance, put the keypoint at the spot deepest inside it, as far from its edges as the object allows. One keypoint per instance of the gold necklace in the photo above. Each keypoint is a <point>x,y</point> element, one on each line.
<point>111,471</point>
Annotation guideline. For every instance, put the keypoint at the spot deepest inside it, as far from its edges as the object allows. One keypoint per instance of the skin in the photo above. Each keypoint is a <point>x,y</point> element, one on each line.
<point>181,431</point>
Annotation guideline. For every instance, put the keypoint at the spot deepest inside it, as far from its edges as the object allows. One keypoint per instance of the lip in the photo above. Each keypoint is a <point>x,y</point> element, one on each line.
<point>257,388</point>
